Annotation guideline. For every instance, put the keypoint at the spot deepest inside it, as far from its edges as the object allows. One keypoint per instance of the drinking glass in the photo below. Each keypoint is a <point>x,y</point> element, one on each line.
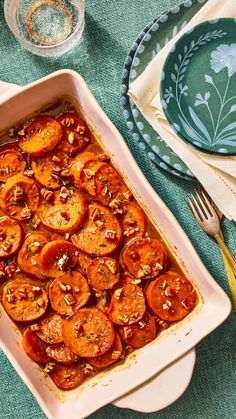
<point>46,27</point>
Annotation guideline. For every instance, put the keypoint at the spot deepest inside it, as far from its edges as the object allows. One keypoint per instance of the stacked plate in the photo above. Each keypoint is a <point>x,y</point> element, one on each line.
<point>150,41</point>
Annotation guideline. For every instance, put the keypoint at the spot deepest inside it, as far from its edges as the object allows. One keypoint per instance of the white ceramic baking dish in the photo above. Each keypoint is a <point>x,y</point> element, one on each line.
<point>146,362</point>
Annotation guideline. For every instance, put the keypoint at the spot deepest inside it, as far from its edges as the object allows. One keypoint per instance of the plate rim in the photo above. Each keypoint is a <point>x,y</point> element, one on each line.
<point>130,119</point>
<point>170,12</point>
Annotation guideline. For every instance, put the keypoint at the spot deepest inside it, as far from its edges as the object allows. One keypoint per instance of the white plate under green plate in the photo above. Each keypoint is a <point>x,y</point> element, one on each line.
<point>198,88</point>
<point>161,32</point>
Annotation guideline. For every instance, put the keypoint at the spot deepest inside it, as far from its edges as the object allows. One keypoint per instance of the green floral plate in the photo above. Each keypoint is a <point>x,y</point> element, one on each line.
<point>198,88</point>
<point>159,34</point>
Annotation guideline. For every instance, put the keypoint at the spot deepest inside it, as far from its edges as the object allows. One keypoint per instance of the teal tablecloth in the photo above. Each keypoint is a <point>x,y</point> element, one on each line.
<point>111,27</point>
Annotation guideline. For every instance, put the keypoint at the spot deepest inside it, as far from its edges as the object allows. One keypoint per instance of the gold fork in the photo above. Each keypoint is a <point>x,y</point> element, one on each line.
<point>208,219</point>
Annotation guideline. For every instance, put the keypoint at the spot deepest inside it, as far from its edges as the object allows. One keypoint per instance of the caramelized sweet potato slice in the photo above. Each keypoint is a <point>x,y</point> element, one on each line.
<point>34,347</point>
<point>76,135</point>
<point>68,293</point>
<point>41,136</point>
<point>11,163</point>
<point>103,273</point>
<point>89,333</point>
<point>133,221</point>
<point>10,237</point>
<point>50,329</point>
<point>111,356</point>
<point>171,297</point>
<point>108,184</point>
<point>64,216</point>
<point>47,169</point>
<point>101,234</point>
<point>19,197</point>
<point>139,334</point>
<point>127,304</point>
<point>144,258</point>
<point>57,257</point>
<point>79,163</point>
<point>68,377</point>
<point>24,302</point>
<point>29,256</point>
<point>61,354</point>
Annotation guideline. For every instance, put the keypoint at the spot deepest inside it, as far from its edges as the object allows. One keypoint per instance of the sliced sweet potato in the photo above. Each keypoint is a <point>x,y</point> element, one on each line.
<point>127,304</point>
<point>57,257</point>
<point>29,256</point>
<point>89,333</point>
<point>19,197</point>
<point>47,169</point>
<point>108,184</point>
<point>61,354</point>
<point>50,329</point>
<point>144,258</point>
<point>24,302</point>
<point>11,163</point>
<point>111,356</point>
<point>103,273</point>
<point>68,293</point>
<point>171,297</point>
<point>88,177</point>
<point>34,347</point>
<point>67,377</point>
<point>84,260</point>
<point>76,134</point>
<point>101,234</point>
<point>10,237</point>
<point>64,216</point>
<point>79,163</point>
<point>41,136</point>
<point>133,221</point>
<point>139,334</point>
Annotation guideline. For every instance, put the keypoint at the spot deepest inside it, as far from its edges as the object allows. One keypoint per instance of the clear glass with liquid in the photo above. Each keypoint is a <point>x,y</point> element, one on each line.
<point>46,27</point>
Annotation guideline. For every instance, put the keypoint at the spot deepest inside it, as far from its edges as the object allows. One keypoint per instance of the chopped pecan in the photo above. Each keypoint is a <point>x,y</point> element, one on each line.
<point>64,194</point>
<point>10,270</point>
<point>35,221</point>
<point>110,235</point>
<point>6,246</point>
<point>95,214</point>
<point>103,157</point>
<point>65,173</point>
<point>67,122</point>
<point>28,172</point>
<point>47,194</point>
<point>127,332</point>
<point>18,193</point>
<point>34,247</point>
<point>71,137</point>
<point>80,129</point>
<point>56,159</point>
<point>69,299</point>
<point>25,213</point>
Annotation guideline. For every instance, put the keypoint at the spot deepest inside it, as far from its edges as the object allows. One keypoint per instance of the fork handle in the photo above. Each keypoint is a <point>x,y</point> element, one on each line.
<point>230,257</point>
<point>231,279</point>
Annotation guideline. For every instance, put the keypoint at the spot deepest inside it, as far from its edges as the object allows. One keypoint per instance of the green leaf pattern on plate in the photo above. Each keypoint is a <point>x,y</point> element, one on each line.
<point>208,119</point>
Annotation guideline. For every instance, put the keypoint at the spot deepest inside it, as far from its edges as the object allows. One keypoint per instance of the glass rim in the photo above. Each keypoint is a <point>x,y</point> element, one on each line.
<point>31,45</point>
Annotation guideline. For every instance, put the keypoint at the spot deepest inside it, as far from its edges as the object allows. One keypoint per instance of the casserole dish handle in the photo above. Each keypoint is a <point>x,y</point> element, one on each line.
<point>7,88</point>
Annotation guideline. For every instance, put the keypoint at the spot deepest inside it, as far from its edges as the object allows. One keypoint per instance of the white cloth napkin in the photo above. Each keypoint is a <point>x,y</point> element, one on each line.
<point>217,174</point>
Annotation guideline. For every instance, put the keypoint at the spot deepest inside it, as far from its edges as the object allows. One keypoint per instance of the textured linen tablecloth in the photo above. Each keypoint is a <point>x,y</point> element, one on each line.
<point>111,28</point>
